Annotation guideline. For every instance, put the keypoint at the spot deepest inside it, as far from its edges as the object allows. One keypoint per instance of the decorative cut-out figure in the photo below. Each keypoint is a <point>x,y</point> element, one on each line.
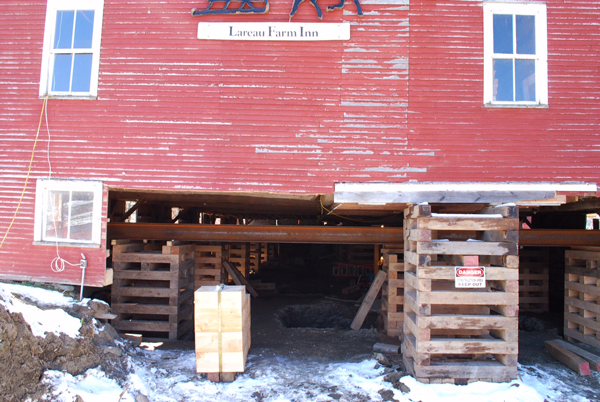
<point>245,7</point>
<point>313,2</point>
<point>341,5</point>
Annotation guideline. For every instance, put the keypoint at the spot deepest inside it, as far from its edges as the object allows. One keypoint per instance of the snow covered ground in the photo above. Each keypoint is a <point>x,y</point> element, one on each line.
<point>170,376</point>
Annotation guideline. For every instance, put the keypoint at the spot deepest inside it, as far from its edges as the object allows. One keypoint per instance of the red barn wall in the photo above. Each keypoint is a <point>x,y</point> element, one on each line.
<point>177,113</point>
<point>475,143</point>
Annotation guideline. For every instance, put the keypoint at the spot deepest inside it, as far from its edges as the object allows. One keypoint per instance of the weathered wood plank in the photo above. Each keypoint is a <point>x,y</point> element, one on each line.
<point>468,298</point>
<point>468,248</point>
<point>461,321</point>
<point>568,358</point>
<point>459,222</point>
<point>470,346</point>
<point>591,358</point>
<point>365,306</point>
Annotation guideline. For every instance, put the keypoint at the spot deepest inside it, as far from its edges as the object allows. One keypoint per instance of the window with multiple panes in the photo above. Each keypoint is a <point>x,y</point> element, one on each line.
<point>71,57</point>
<point>515,54</point>
<point>68,211</point>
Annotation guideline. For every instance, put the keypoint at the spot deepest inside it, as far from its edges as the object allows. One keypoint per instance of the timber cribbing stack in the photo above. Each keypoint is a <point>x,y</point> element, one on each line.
<point>209,261</point>
<point>152,291</point>
<point>534,279</point>
<point>258,255</point>
<point>582,296</point>
<point>392,296</point>
<point>450,335</point>
<point>239,256</point>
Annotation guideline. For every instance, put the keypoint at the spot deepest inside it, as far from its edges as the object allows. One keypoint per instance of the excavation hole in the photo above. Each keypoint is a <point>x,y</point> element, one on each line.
<point>321,315</point>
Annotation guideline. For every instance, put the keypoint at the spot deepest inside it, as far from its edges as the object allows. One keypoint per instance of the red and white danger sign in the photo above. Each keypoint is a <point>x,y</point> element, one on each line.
<point>469,277</point>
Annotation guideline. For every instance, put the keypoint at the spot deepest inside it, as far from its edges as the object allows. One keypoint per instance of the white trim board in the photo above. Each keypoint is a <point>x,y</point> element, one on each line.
<point>445,192</point>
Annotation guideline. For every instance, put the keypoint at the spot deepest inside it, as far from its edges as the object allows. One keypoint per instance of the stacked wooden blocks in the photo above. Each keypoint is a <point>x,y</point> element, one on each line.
<point>152,291</point>
<point>449,334</point>
<point>392,299</point>
<point>239,256</point>
<point>222,329</point>
<point>257,255</point>
<point>534,279</point>
<point>582,296</point>
<point>209,260</point>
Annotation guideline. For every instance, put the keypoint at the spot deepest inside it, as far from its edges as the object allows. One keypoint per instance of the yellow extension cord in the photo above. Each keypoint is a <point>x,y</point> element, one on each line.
<point>28,172</point>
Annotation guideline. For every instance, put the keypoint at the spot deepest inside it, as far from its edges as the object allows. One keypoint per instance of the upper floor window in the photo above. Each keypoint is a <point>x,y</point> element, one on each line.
<point>515,54</point>
<point>71,54</point>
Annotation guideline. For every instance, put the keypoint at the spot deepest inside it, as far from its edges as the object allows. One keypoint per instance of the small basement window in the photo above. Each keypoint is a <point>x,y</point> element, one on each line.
<point>68,211</point>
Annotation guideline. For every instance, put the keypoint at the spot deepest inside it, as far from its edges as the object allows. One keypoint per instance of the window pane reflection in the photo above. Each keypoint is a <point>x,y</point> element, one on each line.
<point>525,80</point>
<point>61,75</point>
<point>84,29</point>
<point>503,80</point>
<point>57,215</point>
<point>81,215</point>
<point>503,34</point>
<point>82,72</point>
<point>525,34</point>
<point>63,34</point>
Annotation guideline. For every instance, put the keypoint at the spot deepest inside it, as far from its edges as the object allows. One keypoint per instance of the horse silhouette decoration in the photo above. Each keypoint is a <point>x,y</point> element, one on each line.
<point>245,7</point>
<point>329,8</point>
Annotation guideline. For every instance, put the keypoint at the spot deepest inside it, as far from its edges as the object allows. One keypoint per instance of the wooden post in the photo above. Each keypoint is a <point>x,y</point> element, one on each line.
<point>365,306</point>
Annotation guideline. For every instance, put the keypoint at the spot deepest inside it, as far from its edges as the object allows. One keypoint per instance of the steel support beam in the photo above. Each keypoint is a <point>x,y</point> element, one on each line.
<point>559,237</point>
<point>265,234</point>
<point>321,234</point>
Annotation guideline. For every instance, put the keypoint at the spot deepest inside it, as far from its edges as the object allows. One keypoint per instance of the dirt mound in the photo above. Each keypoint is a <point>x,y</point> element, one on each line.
<point>24,357</point>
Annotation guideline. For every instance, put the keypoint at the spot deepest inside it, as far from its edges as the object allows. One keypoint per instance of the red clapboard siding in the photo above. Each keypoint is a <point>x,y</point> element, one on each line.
<point>476,143</point>
<point>177,113</point>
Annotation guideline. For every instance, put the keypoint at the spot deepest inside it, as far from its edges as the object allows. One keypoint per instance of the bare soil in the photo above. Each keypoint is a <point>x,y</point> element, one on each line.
<point>24,357</point>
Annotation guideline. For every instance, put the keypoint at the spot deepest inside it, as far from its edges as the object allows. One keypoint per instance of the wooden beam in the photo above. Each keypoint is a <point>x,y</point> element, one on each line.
<point>131,211</point>
<point>568,358</point>
<point>238,278</point>
<point>365,306</point>
<point>455,192</point>
<point>592,359</point>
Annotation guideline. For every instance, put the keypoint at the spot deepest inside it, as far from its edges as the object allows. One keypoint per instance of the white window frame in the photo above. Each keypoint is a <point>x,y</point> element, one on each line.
<point>48,54</point>
<point>541,57</point>
<point>44,186</point>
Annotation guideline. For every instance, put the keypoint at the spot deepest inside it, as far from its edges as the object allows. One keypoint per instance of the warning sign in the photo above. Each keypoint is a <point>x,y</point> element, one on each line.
<point>469,277</point>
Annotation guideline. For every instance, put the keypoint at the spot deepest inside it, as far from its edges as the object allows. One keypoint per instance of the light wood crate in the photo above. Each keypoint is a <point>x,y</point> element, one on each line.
<point>222,329</point>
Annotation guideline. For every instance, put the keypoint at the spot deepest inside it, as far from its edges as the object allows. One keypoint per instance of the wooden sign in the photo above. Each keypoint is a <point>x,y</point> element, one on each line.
<point>274,31</point>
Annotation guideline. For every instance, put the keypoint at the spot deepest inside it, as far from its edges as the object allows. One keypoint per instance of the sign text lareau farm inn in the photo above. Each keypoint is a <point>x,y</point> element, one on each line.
<point>281,31</point>
<point>270,31</point>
